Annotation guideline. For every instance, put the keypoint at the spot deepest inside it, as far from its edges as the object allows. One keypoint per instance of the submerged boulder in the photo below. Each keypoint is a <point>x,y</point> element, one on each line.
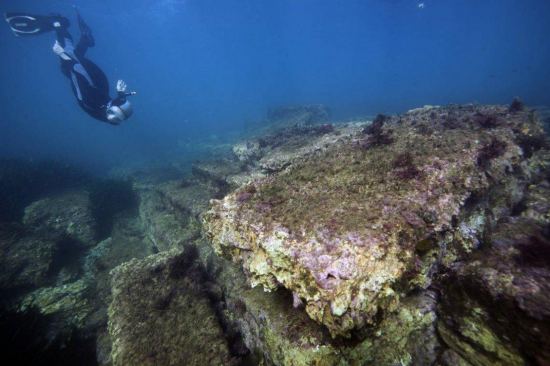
<point>160,316</point>
<point>69,305</point>
<point>280,148</point>
<point>495,307</point>
<point>26,260</point>
<point>65,215</point>
<point>170,211</point>
<point>353,228</point>
<point>280,334</point>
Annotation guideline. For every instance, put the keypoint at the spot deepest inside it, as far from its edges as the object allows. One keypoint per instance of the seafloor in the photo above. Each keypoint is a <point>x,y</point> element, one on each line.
<point>414,239</point>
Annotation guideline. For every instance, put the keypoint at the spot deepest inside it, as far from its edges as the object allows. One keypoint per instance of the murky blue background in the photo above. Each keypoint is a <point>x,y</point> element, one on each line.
<point>205,69</point>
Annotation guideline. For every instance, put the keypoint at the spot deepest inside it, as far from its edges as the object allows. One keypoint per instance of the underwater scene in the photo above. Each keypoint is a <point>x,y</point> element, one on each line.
<point>275,182</point>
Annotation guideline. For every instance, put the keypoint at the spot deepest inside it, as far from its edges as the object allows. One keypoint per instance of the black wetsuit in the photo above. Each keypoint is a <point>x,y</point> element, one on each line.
<point>89,83</point>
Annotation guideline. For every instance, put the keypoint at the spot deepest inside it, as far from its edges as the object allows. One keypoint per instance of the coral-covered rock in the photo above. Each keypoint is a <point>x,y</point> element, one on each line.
<point>281,148</point>
<point>285,336</point>
<point>159,316</point>
<point>350,231</point>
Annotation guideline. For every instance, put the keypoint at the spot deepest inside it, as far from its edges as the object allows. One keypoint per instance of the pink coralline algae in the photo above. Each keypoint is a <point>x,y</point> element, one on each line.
<point>361,220</point>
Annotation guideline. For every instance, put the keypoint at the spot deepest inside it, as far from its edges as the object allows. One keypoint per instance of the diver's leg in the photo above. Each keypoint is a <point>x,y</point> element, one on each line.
<point>86,37</point>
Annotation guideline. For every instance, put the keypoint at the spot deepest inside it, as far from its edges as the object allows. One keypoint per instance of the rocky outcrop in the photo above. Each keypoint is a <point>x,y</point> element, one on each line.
<point>42,249</point>
<point>77,293</point>
<point>478,161</point>
<point>495,307</point>
<point>66,215</point>
<point>351,230</point>
<point>170,211</point>
<point>161,316</point>
<point>418,239</point>
<point>283,335</point>
<point>299,115</point>
<point>25,259</point>
<point>280,148</point>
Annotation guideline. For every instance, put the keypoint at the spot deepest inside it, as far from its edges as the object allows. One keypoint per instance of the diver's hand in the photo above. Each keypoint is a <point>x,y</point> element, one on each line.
<point>121,88</point>
<point>60,51</point>
<point>57,49</point>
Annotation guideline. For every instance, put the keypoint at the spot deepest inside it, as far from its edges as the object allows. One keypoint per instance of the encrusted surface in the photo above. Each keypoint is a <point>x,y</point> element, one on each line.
<point>495,307</point>
<point>64,215</point>
<point>158,316</point>
<point>352,228</point>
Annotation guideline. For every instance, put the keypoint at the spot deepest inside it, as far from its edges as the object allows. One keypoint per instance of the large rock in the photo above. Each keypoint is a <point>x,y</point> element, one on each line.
<point>289,146</point>
<point>79,302</point>
<point>68,305</point>
<point>280,148</point>
<point>279,334</point>
<point>169,211</point>
<point>495,307</point>
<point>284,335</point>
<point>160,316</point>
<point>26,260</point>
<point>352,229</point>
<point>65,215</point>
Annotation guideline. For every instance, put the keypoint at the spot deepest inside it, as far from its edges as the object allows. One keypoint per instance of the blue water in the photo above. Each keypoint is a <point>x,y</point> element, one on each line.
<point>204,69</point>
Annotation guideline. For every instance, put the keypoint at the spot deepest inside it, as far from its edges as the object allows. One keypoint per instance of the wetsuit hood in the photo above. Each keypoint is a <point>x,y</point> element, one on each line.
<point>118,113</point>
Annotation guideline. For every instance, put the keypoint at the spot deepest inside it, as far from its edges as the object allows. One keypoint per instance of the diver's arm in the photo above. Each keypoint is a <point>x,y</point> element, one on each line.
<point>122,93</point>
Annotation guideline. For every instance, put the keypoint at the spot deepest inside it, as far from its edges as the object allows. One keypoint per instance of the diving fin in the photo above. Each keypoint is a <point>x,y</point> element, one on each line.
<point>23,24</point>
<point>85,30</point>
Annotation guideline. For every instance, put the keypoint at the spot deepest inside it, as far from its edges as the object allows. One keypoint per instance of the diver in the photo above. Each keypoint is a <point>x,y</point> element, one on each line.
<point>89,83</point>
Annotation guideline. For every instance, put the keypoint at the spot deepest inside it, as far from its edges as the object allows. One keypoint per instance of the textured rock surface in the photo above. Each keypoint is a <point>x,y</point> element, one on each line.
<point>25,259</point>
<point>66,215</point>
<point>289,146</point>
<point>216,171</point>
<point>290,116</point>
<point>283,335</point>
<point>159,316</point>
<point>496,306</point>
<point>69,304</point>
<point>170,211</point>
<point>352,229</point>
<point>74,293</point>
<point>283,147</point>
<point>335,219</point>
<point>276,332</point>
